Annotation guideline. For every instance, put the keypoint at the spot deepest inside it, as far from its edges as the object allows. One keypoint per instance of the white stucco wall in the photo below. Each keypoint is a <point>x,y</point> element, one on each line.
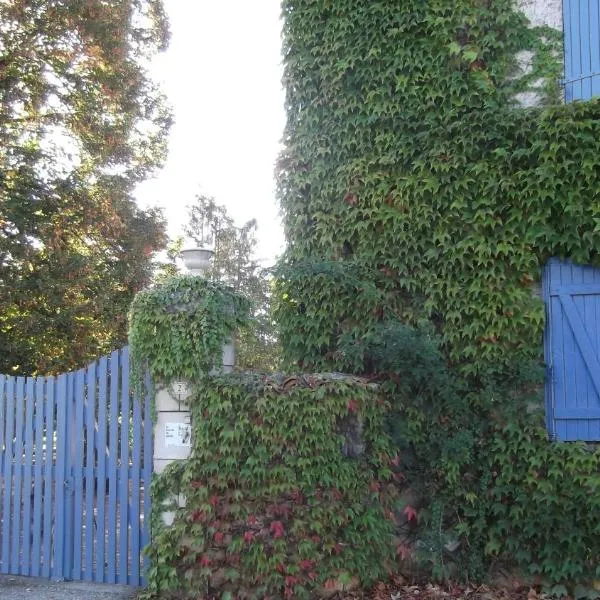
<point>539,12</point>
<point>543,12</point>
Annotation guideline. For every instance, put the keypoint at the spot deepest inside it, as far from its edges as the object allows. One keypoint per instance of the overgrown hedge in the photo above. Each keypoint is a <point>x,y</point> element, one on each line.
<point>288,491</point>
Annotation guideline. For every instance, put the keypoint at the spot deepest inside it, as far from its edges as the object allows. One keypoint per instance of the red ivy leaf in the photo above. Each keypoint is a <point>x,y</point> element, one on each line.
<point>277,529</point>
<point>248,536</point>
<point>204,561</point>
<point>306,564</point>
<point>410,512</point>
<point>352,406</point>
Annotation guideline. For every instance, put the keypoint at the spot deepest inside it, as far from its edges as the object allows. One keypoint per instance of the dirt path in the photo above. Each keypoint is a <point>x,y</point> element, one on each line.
<point>29,588</point>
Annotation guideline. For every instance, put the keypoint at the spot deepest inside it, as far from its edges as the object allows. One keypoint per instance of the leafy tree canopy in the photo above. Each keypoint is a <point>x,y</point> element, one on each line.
<point>81,123</point>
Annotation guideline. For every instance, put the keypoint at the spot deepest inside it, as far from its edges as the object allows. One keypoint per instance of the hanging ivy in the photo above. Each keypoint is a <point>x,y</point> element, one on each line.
<point>177,328</point>
<point>409,160</point>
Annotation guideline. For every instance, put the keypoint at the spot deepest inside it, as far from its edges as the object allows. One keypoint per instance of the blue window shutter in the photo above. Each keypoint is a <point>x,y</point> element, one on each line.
<point>582,49</point>
<point>572,295</point>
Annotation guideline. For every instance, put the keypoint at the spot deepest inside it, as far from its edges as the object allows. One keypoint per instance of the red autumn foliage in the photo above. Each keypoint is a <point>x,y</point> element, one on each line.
<point>410,512</point>
<point>306,564</point>
<point>277,529</point>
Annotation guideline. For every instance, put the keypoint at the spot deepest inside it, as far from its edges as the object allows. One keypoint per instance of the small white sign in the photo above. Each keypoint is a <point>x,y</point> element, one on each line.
<point>178,434</point>
<point>180,390</point>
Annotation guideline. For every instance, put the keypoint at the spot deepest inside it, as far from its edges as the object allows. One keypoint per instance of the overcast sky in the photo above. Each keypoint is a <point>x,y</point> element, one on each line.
<point>222,74</point>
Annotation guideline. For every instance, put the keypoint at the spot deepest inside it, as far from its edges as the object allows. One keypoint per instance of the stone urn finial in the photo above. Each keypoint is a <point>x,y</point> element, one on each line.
<point>197,260</point>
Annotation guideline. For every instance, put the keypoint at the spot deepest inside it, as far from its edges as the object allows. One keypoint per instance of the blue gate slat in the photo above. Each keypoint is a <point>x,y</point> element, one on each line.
<point>136,462</point>
<point>112,467</point>
<point>49,476</point>
<point>15,563</point>
<point>58,562</point>
<point>69,516</point>
<point>90,420</point>
<point>77,466</point>
<point>8,481</point>
<point>123,471</point>
<point>5,516</point>
<point>28,490</point>
<point>102,454</point>
<point>36,558</point>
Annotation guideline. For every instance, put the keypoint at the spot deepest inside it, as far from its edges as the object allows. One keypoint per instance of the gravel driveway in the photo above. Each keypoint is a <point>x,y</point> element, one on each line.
<point>29,588</point>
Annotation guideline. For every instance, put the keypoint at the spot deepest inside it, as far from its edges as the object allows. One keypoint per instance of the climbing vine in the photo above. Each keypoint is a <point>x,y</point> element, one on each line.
<point>409,158</point>
<point>178,327</point>
<point>417,187</point>
<point>288,491</point>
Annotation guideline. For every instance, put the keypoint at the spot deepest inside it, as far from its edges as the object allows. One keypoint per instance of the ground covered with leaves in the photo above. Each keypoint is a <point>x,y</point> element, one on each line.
<point>400,590</point>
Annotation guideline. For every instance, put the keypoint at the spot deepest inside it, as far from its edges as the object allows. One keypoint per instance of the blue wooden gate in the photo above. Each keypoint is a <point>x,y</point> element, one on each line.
<point>75,468</point>
<point>572,350</point>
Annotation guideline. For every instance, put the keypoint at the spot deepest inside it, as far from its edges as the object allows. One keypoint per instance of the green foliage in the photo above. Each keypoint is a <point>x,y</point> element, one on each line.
<point>543,504</point>
<point>408,155</point>
<point>273,506</point>
<point>177,328</point>
<point>415,187</point>
<point>482,463</point>
<point>81,124</point>
<point>234,264</point>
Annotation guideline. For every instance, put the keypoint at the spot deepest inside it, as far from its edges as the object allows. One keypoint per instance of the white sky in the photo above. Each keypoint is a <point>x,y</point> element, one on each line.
<point>222,75</point>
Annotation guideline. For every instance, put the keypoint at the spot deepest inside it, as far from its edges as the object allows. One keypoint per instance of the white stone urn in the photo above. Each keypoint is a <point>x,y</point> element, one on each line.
<point>197,260</point>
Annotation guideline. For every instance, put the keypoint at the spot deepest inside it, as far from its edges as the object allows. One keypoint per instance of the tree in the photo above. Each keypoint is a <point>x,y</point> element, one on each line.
<point>234,264</point>
<point>81,124</point>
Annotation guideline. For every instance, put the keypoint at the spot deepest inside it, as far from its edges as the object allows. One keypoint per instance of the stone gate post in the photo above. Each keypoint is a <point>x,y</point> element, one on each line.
<point>173,428</point>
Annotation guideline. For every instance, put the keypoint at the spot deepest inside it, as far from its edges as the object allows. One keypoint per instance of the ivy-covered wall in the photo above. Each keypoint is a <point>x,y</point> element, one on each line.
<point>413,183</point>
<point>289,491</point>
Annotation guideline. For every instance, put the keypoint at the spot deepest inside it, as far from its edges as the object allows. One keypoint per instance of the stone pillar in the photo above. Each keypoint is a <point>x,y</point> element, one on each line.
<point>172,431</point>
<point>173,428</point>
